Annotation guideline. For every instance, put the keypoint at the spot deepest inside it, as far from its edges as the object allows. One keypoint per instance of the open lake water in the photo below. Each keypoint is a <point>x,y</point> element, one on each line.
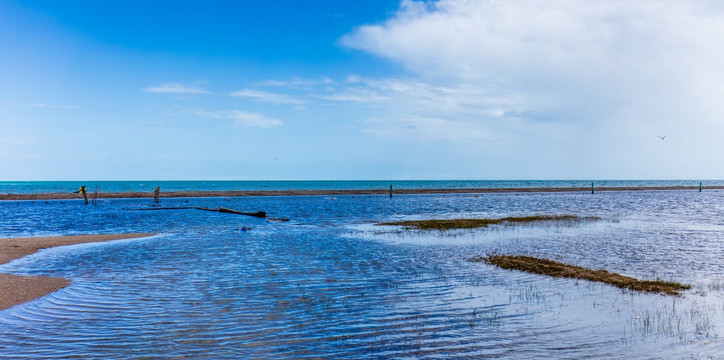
<point>332,284</point>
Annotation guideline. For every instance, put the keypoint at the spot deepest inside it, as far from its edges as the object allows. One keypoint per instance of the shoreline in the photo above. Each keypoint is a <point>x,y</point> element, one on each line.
<point>243,193</point>
<point>16,289</point>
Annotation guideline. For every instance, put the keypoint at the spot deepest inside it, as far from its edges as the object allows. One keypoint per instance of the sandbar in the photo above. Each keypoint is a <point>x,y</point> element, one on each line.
<point>15,289</point>
<point>242,193</point>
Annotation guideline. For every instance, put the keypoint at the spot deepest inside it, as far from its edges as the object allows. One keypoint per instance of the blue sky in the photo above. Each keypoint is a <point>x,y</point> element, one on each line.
<point>449,89</point>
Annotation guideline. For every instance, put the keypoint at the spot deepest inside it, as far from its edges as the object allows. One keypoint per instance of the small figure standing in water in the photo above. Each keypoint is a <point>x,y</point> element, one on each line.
<point>83,192</point>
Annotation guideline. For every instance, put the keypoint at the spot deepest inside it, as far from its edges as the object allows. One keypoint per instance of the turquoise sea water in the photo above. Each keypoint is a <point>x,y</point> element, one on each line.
<point>28,187</point>
<point>331,284</point>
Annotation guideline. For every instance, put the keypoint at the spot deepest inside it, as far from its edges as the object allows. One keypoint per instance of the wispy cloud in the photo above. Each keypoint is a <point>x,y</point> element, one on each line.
<point>411,97</point>
<point>267,97</point>
<point>426,128</point>
<point>39,105</point>
<point>17,141</point>
<point>175,88</point>
<point>419,108</point>
<point>296,82</point>
<point>242,118</point>
<point>252,119</point>
<point>357,96</point>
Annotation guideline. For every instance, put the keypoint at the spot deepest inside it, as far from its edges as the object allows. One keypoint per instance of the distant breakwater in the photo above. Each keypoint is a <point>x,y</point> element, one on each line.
<point>324,192</point>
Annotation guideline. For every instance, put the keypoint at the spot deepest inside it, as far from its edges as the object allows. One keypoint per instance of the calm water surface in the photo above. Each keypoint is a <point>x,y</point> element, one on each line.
<point>331,284</point>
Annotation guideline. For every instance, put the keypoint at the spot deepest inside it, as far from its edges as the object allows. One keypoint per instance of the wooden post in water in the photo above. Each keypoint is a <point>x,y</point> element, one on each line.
<point>591,187</point>
<point>390,191</point>
<point>155,194</point>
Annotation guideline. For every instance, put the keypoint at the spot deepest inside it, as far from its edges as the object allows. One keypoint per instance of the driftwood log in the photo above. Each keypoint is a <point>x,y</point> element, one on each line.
<point>259,214</point>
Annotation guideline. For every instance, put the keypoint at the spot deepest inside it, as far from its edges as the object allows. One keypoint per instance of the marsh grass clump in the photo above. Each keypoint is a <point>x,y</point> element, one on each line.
<point>449,224</point>
<point>557,269</point>
<point>96,195</point>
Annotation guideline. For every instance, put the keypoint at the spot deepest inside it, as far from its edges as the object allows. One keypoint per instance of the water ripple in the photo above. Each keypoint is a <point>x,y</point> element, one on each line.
<point>330,285</point>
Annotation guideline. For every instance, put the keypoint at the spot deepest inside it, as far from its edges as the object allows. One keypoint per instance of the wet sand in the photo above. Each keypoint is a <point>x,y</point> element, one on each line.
<point>234,193</point>
<point>16,290</point>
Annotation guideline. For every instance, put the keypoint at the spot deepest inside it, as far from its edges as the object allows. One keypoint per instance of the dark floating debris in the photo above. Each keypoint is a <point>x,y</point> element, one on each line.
<point>275,220</point>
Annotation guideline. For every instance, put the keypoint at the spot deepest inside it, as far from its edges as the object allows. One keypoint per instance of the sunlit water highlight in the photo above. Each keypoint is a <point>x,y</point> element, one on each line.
<point>331,284</point>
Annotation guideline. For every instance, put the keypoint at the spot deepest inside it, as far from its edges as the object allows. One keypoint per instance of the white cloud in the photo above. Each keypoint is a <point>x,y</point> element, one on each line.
<point>175,88</point>
<point>267,97</point>
<point>357,95</point>
<point>565,88</point>
<point>242,118</point>
<point>599,59</point>
<point>251,119</point>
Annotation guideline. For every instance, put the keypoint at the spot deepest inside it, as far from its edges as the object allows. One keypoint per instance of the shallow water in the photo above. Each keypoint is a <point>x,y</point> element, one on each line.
<point>331,284</point>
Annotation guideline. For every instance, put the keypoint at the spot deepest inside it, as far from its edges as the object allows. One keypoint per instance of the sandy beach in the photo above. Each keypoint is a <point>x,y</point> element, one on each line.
<point>233,193</point>
<point>19,289</point>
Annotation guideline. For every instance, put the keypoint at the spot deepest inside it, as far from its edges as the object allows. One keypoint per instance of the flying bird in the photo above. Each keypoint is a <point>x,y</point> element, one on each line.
<point>662,137</point>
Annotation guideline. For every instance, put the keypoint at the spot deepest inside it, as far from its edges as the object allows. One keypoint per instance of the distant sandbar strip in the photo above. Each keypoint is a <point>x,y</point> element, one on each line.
<point>19,289</point>
<point>235,193</point>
